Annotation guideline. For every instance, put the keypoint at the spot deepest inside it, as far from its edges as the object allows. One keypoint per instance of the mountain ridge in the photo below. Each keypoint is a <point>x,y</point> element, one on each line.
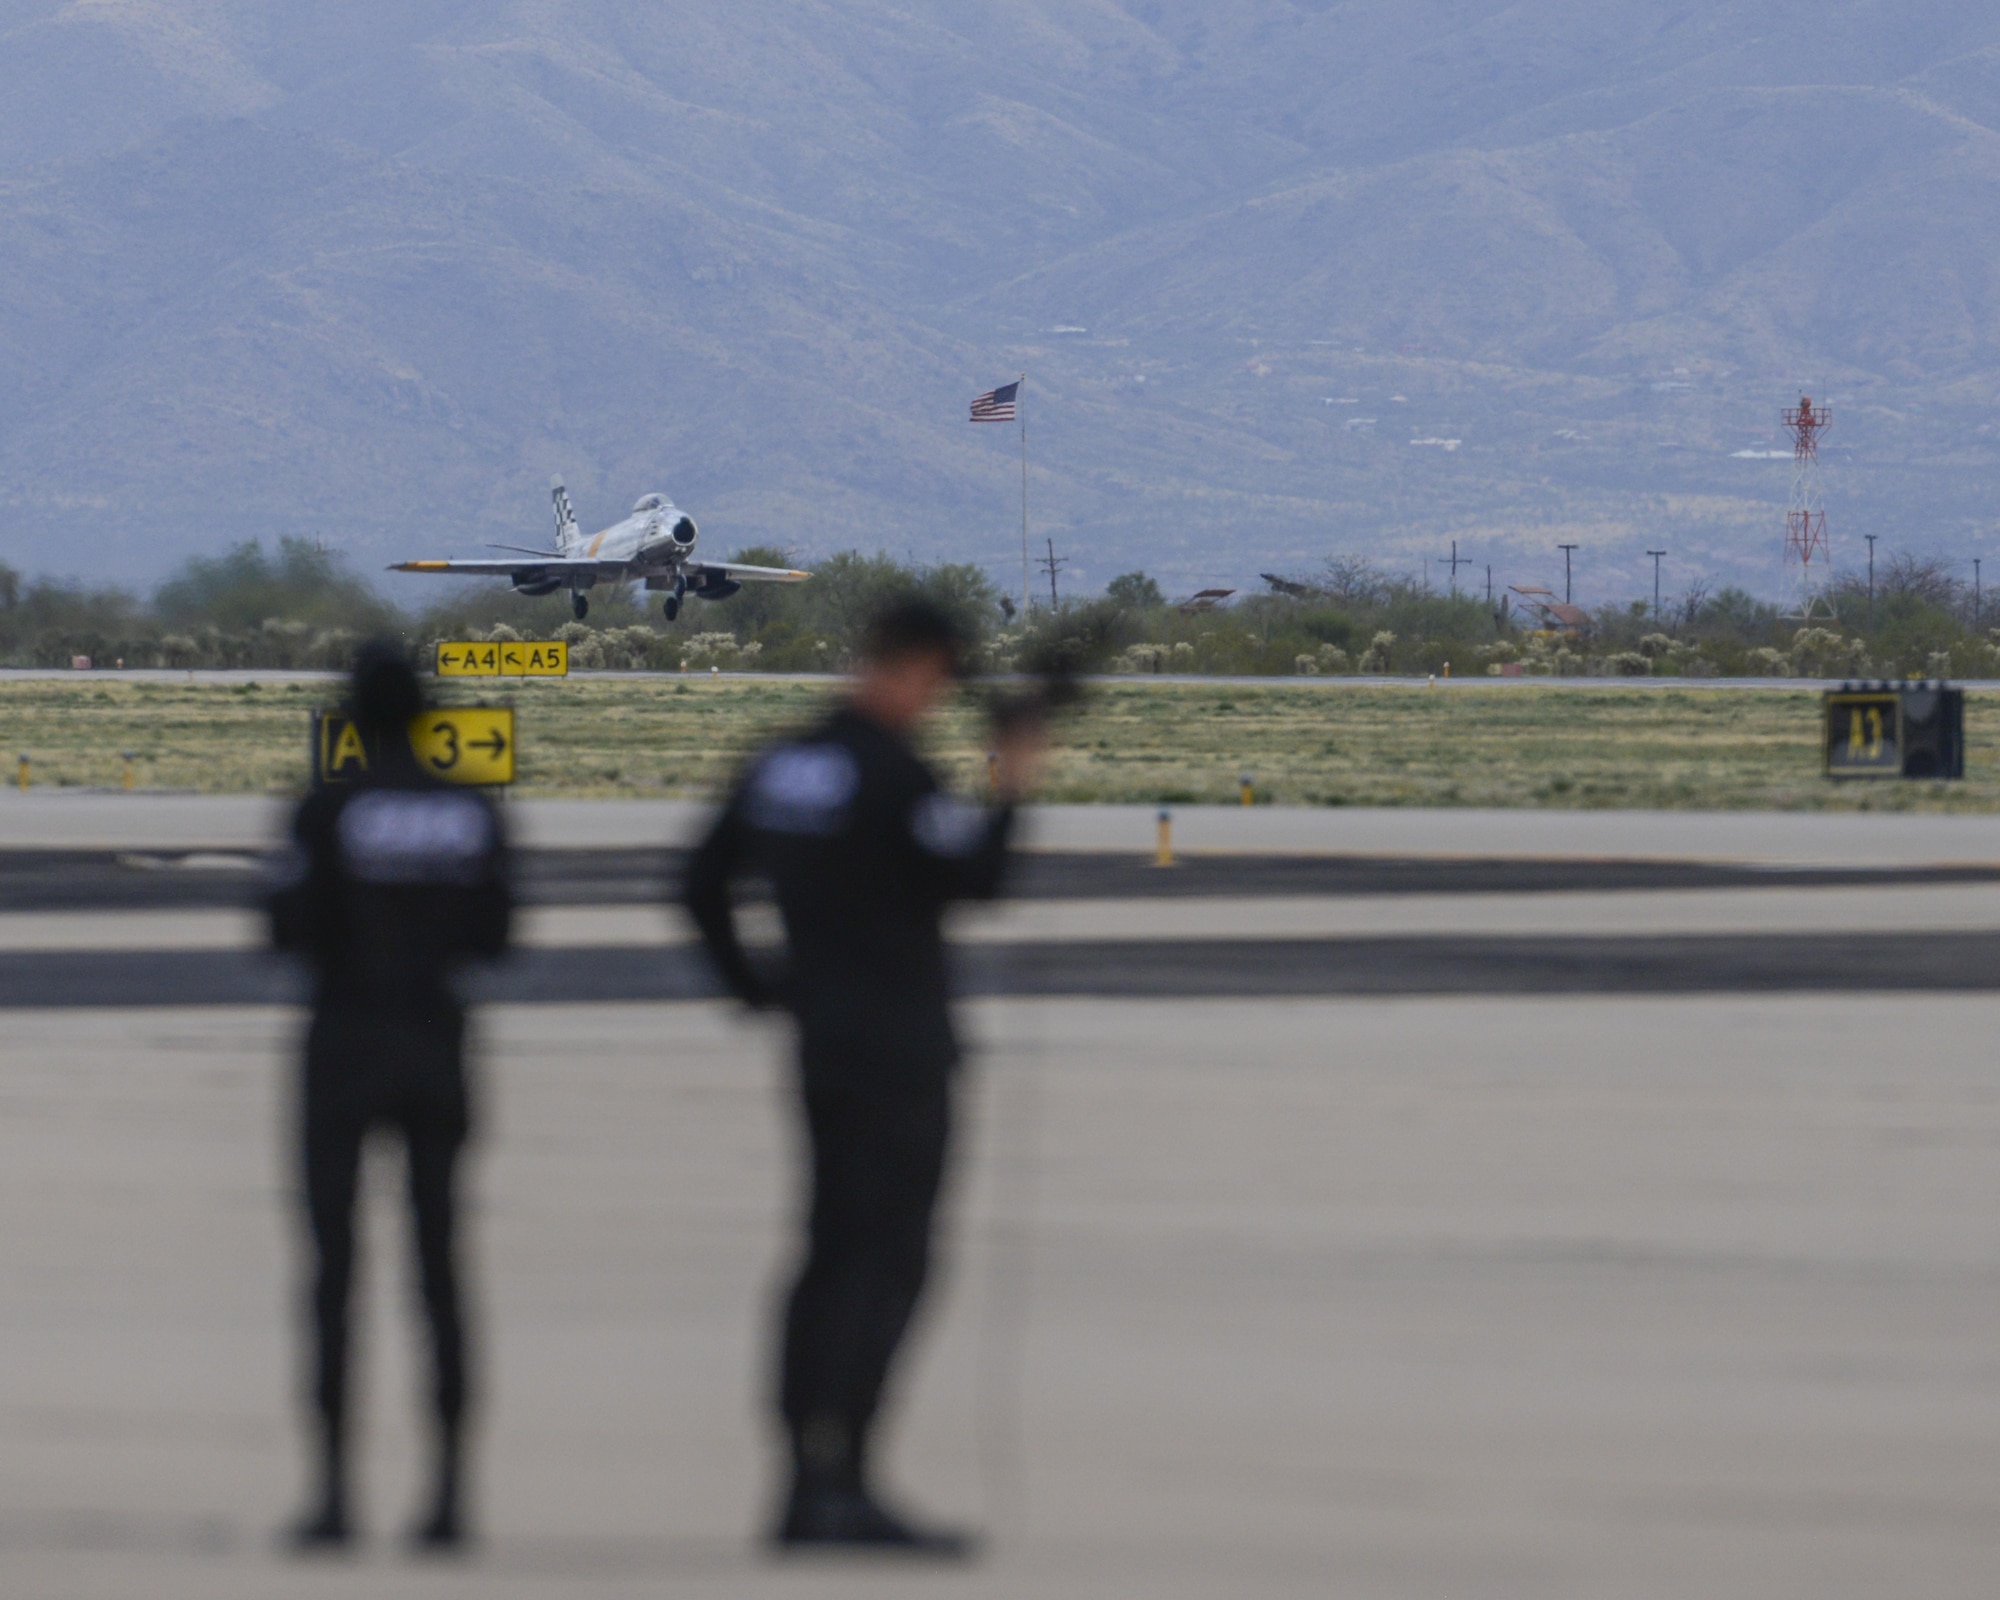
<point>374,274</point>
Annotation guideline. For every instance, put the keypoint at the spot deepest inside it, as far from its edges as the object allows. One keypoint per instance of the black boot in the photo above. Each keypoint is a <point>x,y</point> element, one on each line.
<point>443,1531</point>
<point>325,1527</point>
<point>818,1518</point>
<point>830,1508</point>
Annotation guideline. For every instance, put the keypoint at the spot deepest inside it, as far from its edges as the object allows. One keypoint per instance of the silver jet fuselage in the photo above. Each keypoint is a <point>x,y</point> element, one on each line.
<point>656,540</point>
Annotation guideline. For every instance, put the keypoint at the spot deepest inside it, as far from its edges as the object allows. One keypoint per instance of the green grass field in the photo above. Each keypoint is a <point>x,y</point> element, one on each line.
<point>1316,742</point>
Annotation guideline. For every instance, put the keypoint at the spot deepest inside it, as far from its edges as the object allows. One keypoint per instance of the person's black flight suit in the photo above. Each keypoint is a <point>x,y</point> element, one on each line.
<point>863,852</point>
<point>394,882</point>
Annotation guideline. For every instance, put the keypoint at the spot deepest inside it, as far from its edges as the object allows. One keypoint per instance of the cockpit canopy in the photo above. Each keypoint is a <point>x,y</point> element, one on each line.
<point>649,502</point>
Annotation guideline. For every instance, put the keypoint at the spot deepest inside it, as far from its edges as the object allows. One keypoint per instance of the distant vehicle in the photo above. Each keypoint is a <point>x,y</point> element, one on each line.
<point>653,546</point>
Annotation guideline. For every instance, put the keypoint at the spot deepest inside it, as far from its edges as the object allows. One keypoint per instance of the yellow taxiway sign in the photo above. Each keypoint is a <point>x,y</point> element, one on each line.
<point>461,744</point>
<point>526,658</point>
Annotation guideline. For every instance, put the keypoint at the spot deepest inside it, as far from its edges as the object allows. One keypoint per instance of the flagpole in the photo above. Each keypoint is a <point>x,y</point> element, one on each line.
<point>1023,407</point>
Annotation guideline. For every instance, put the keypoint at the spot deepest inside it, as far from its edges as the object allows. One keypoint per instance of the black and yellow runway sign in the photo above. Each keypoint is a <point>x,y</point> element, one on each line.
<point>461,744</point>
<point>526,658</point>
<point>1894,730</point>
<point>1861,734</point>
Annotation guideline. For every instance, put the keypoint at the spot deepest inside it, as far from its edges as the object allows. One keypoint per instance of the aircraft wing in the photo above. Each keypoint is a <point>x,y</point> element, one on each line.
<point>737,573</point>
<point>553,566</point>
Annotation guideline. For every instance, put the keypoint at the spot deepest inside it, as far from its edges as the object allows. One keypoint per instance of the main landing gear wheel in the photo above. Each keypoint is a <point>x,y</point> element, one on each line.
<point>579,605</point>
<point>672,607</point>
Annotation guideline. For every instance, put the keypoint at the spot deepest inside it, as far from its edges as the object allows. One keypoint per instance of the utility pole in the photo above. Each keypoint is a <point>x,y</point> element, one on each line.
<point>1656,554</point>
<point>1454,562</point>
<point>1052,565</point>
<point>1871,538</point>
<point>1568,598</point>
<point>1489,583</point>
<point>1975,594</point>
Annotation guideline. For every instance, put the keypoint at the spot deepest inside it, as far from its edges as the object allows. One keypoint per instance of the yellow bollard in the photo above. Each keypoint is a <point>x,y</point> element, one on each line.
<point>21,774</point>
<point>1163,852</point>
<point>1249,786</point>
<point>1447,669</point>
<point>128,758</point>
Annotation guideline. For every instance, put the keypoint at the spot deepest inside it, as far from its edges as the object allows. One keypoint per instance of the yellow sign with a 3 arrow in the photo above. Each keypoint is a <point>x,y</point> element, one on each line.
<point>466,744</point>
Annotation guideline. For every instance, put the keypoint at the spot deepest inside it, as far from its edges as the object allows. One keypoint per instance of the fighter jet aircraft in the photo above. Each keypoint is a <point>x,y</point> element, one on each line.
<point>654,546</point>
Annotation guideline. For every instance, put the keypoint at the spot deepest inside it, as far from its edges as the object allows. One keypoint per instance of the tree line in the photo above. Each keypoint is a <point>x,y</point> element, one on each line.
<point>298,605</point>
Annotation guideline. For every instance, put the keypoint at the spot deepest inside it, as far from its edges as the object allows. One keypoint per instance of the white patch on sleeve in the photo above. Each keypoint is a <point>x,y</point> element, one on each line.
<point>405,836</point>
<point>804,788</point>
<point>947,826</point>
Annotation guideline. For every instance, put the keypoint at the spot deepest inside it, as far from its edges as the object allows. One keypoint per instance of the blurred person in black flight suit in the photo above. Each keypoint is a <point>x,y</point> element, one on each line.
<point>863,851</point>
<point>392,883</point>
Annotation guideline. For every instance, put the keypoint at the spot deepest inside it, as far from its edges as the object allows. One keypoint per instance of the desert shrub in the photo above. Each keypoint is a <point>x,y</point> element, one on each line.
<point>1823,653</point>
<point>1375,659</point>
<point>1142,658</point>
<point>717,649</point>
<point>1328,658</point>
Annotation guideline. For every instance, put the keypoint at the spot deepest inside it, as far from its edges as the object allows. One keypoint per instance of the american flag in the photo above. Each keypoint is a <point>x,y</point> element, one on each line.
<point>996,405</point>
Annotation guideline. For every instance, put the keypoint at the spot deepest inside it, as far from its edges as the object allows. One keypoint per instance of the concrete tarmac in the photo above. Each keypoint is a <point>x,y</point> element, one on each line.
<point>75,820</point>
<point>1778,910</point>
<point>1378,1298</point>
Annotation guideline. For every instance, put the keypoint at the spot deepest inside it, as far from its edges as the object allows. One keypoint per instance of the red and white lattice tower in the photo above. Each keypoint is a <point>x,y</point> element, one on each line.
<point>1808,559</point>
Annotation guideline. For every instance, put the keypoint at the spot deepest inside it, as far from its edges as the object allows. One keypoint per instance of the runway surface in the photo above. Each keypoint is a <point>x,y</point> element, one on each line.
<point>94,929</point>
<point>170,825</point>
<point>1167,968</point>
<point>132,880</point>
<point>1394,1299</point>
<point>1345,1211</point>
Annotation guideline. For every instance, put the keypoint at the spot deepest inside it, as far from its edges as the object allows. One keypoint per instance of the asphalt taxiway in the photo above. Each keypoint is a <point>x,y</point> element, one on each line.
<point>1393,1205</point>
<point>1643,1296</point>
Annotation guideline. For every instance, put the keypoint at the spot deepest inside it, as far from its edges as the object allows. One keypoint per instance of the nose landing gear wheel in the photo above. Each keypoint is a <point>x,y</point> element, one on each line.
<point>579,606</point>
<point>672,606</point>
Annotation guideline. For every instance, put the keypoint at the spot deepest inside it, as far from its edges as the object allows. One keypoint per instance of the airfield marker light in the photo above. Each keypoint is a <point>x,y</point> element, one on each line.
<point>1248,783</point>
<point>1163,849</point>
<point>128,758</point>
